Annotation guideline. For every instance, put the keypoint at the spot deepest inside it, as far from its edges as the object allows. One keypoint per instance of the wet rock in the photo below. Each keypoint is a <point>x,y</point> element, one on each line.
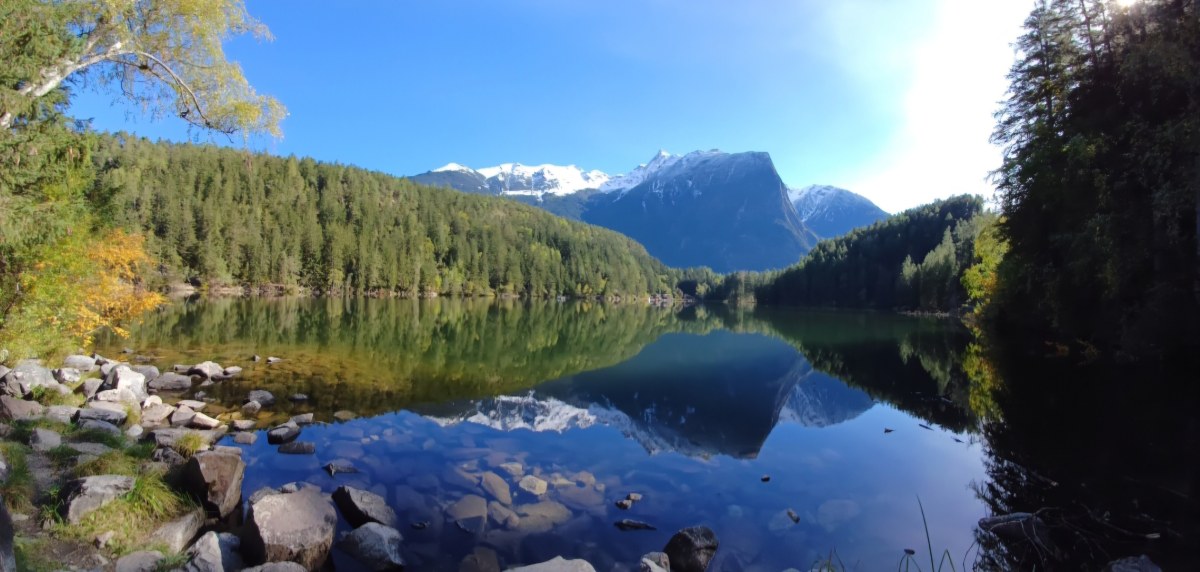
<point>82,496</point>
<point>245,438</point>
<point>557,564</point>
<point>624,504</point>
<point>144,561</point>
<point>180,368</point>
<point>170,382</point>
<point>457,477</point>
<point>215,552</point>
<point>176,534</point>
<point>294,526</point>
<point>375,546</point>
<point>303,419</point>
<point>262,396</point>
<point>542,517</point>
<point>481,559</point>
<point>283,433</point>
<point>244,424</point>
<point>67,375</point>
<point>215,479</point>
<point>533,485</point>
<point>80,362</point>
<point>15,409</point>
<point>344,415</point>
<point>633,497</point>
<point>202,421</point>
<point>503,516</point>
<point>336,467</point>
<point>469,513</point>
<point>298,448</point>
<point>44,439</point>
<point>691,549</point>
<point>655,562</point>
<point>1133,564</point>
<point>583,498</point>
<point>515,470</point>
<point>360,507</point>
<point>497,487</point>
<point>626,524</point>
<point>103,411</point>
<point>206,369</point>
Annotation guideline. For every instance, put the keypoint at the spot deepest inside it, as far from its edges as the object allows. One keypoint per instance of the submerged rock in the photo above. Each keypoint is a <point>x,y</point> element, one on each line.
<point>295,526</point>
<point>497,487</point>
<point>375,546</point>
<point>360,507</point>
<point>626,524</point>
<point>533,485</point>
<point>298,448</point>
<point>469,513</point>
<point>691,549</point>
<point>557,564</point>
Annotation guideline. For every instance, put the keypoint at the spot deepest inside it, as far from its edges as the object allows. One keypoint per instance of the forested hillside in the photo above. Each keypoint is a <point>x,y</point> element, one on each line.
<point>223,216</point>
<point>912,261</point>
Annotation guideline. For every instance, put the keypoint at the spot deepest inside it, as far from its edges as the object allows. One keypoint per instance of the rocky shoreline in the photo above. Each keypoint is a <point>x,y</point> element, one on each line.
<point>106,467</point>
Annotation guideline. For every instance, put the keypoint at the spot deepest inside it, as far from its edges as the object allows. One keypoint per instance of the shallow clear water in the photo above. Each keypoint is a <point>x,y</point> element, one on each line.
<point>688,408</point>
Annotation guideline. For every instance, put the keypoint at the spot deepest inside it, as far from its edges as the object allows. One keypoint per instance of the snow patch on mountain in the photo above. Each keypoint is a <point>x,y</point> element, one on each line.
<point>453,167</point>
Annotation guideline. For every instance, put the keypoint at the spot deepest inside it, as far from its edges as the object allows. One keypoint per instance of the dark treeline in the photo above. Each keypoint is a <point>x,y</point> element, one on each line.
<point>224,216</point>
<point>912,261</point>
<point>1100,184</point>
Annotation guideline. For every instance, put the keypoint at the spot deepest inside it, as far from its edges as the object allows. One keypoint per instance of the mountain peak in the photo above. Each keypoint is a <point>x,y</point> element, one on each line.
<point>833,211</point>
<point>453,167</point>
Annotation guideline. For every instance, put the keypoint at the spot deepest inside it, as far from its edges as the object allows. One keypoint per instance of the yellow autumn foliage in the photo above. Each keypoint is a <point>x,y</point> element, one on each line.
<point>79,286</point>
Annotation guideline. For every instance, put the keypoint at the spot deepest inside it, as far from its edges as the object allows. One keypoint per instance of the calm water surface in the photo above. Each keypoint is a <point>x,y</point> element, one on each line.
<point>688,408</point>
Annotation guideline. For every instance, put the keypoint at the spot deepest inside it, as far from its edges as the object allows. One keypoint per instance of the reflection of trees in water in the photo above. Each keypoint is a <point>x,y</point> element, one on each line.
<point>1106,457</point>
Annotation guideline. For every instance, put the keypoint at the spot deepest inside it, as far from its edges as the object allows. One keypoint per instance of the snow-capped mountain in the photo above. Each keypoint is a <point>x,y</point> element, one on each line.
<point>515,179</point>
<point>831,211</point>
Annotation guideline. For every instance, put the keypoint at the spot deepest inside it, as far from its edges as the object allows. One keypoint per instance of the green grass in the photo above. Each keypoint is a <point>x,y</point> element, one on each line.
<point>113,463</point>
<point>78,434</point>
<point>189,444</point>
<point>48,396</point>
<point>133,516</point>
<point>23,429</point>
<point>171,562</point>
<point>62,456</point>
<point>31,556</point>
<point>18,489</point>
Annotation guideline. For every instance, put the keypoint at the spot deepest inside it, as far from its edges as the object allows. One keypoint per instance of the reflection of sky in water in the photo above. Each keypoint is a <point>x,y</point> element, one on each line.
<point>854,488</point>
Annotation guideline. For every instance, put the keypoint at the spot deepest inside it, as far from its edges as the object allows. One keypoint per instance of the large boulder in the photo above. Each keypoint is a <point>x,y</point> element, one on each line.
<point>296,526</point>
<point>44,439</point>
<point>62,413</point>
<point>557,564</point>
<point>156,414</point>
<point>25,376</point>
<point>176,534</point>
<point>82,496</point>
<point>206,369</point>
<point>360,507</point>
<point>215,479</point>
<point>691,549</point>
<point>215,552</point>
<point>15,409</point>
<point>122,377</point>
<point>80,362</point>
<point>375,546</point>
<point>149,371</point>
<point>171,382</point>
<point>103,411</point>
<point>67,375</point>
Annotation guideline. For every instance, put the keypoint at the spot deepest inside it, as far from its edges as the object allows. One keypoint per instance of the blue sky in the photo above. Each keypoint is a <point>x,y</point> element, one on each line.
<point>890,99</point>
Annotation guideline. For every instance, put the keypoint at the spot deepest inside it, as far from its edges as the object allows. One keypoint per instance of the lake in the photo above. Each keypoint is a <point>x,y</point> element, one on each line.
<point>868,426</point>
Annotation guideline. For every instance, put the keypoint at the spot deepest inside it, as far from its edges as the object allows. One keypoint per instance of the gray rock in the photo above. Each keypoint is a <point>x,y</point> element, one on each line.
<point>533,485</point>
<point>215,552</point>
<point>27,375</point>
<point>481,559</point>
<point>178,533</point>
<point>1133,564</point>
<point>206,369</point>
<point>232,370</point>
<point>294,526</point>
<point>8,557</point>
<point>67,375</point>
<point>15,409</point>
<point>166,436</point>
<point>202,421</point>
<point>171,382</point>
<point>360,507</point>
<point>180,368</point>
<point>655,562</point>
<point>144,561</point>
<point>157,414</point>
<point>61,413</point>
<point>303,419</point>
<point>244,424</point>
<point>93,449</point>
<point>276,567</point>
<point>514,469</point>
<point>182,417</point>
<point>82,496</point>
<point>344,415</point>
<point>273,360</point>
<point>691,549</point>
<point>149,371</point>
<point>503,516</point>
<point>107,367</point>
<point>122,377</point>
<point>226,449</point>
<point>192,404</point>
<point>298,448</point>
<point>44,439</point>
<point>375,546</point>
<point>283,433</point>
<point>557,564</point>
<point>80,362</point>
<point>98,410</point>
<point>469,513</point>
<point>168,456</point>
<point>5,468</point>
<point>215,479</point>
<point>340,466</point>
<point>123,395</point>
<point>262,396</point>
<point>497,487</point>
<point>91,386</point>
<point>245,438</point>
<point>135,432</point>
<point>251,408</point>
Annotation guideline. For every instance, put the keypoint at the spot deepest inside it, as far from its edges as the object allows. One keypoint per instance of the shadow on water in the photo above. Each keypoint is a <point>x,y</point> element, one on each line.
<point>690,406</point>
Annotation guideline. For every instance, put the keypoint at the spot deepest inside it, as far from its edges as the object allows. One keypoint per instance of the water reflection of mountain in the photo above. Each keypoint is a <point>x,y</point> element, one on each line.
<point>718,394</point>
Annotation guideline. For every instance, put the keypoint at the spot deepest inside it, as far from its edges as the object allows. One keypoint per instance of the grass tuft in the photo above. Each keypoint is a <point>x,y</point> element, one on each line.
<point>31,555</point>
<point>23,429</point>
<point>133,516</point>
<point>171,562</point>
<point>62,456</point>
<point>49,396</point>
<point>189,444</point>
<point>113,463</point>
<point>97,436</point>
<point>18,489</point>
